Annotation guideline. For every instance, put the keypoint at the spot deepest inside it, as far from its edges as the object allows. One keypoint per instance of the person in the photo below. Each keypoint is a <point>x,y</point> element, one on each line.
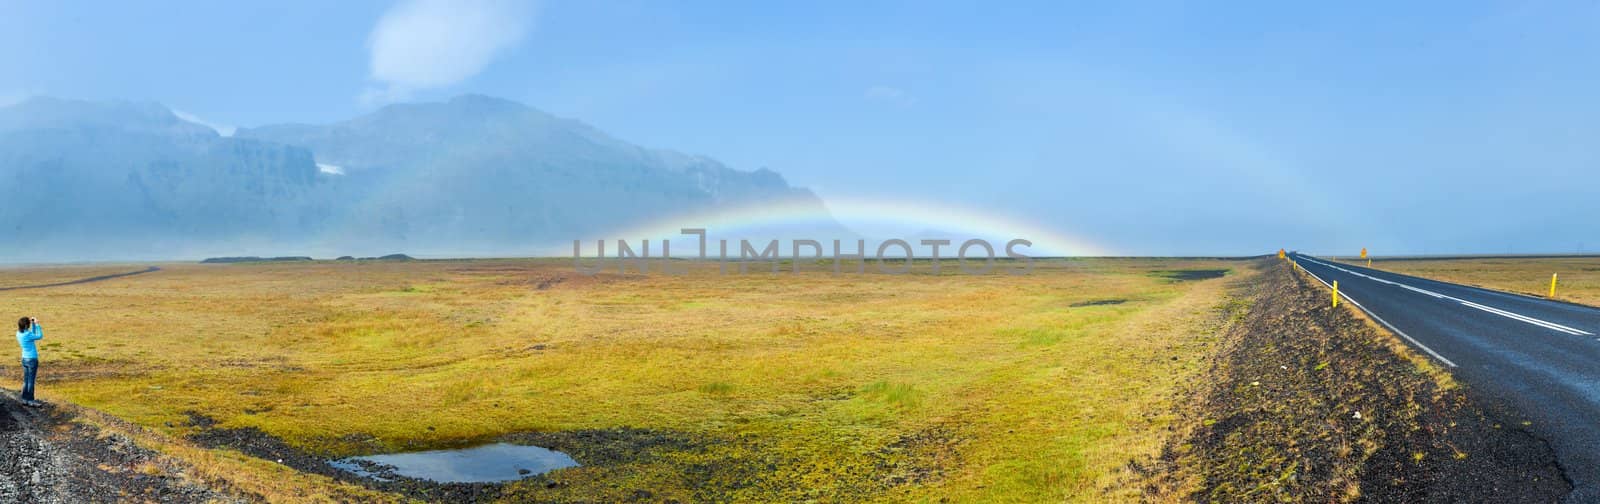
<point>29,332</point>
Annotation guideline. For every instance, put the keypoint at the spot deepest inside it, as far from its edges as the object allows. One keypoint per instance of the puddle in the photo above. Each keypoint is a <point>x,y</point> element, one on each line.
<point>483,464</point>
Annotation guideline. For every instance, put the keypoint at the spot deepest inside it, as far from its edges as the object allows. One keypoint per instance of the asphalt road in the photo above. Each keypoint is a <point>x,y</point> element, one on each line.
<point>1537,360</point>
<point>100,278</point>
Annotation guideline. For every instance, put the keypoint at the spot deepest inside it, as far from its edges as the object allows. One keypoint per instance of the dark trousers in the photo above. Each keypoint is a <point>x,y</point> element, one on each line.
<point>30,370</point>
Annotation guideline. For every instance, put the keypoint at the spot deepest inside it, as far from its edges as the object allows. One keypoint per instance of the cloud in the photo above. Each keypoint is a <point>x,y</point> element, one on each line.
<point>223,130</point>
<point>425,44</point>
<point>330,169</point>
<point>889,94</point>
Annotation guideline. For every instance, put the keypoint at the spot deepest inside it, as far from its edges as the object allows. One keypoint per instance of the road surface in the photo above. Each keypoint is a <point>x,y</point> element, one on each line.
<point>1537,359</point>
<point>79,281</point>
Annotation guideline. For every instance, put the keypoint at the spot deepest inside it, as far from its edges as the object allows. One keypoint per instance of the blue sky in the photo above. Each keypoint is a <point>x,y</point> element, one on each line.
<point>1150,127</point>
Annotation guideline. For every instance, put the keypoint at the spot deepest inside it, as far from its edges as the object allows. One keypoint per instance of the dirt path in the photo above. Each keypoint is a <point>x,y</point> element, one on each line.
<point>48,458</point>
<point>100,278</point>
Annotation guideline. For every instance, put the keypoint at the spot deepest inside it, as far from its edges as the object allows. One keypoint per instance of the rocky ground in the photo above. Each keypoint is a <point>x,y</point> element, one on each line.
<point>1308,403</point>
<point>254,442</point>
<point>49,458</point>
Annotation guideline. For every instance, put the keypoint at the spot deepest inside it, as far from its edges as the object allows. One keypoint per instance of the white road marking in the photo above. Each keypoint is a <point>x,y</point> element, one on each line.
<point>1497,311</point>
<point>1385,323</point>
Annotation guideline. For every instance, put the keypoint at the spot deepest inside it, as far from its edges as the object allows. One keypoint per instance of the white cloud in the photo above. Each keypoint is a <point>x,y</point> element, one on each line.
<point>221,129</point>
<point>330,169</point>
<point>424,44</point>
<point>890,94</point>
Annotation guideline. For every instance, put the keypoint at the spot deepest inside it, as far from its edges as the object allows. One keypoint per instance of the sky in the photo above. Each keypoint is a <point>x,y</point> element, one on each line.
<point>1149,128</point>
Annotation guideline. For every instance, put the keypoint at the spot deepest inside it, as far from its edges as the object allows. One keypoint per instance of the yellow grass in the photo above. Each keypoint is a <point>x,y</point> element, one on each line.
<point>1579,279</point>
<point>14,276</point>
<point>917,387</point>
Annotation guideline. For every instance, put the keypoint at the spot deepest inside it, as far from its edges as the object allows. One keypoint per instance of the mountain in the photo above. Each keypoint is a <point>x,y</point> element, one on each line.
<point>85,180</point>
<point>487,173</point>
<point>474,175</point>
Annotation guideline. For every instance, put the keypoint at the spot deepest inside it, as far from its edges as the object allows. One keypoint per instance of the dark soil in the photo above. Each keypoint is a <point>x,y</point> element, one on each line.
<point>1190,274</point>
<point>702,465</point>
<point>1098,302</point>
<point>48,458</point>
<point>252,441</point>
<point>1310,403</point>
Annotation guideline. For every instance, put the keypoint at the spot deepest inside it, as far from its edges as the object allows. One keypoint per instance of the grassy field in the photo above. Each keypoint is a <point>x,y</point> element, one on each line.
<point>17,276</point>
<point>785,387</point>
<point>1579,279</point>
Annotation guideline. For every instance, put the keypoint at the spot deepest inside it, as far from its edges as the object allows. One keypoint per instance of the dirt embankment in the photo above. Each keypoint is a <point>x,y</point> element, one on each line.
<point>46,457</point>
<point>1306,402</point>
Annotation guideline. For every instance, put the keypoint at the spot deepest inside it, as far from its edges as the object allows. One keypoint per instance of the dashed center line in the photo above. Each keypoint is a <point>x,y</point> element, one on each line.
<point>1490,309</point>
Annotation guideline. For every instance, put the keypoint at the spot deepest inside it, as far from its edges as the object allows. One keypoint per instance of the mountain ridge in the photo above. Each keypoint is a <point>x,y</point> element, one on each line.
<point>472,175</point>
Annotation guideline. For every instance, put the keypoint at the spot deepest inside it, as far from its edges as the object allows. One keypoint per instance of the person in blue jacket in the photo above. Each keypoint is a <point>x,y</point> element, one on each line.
<point>28,333</point>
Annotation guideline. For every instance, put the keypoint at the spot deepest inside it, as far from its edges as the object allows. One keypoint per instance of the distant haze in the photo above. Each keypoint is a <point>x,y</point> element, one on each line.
<point>471,176</point>
<point>1147,128</point>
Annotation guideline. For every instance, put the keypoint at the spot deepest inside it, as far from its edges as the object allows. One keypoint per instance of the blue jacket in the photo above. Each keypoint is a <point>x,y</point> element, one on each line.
<point>27,339</point>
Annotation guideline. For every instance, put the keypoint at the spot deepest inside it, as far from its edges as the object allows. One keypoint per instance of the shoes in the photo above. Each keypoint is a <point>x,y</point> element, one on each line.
<point>32,404</point>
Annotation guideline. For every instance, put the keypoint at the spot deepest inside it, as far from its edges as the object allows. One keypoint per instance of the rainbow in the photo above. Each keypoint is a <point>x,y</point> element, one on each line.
<point>949,221</point>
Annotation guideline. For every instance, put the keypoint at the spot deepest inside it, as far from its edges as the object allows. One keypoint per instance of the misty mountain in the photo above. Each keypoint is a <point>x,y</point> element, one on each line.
<point>475,175</point>
<point>85,180</point>
<point>490,173</point>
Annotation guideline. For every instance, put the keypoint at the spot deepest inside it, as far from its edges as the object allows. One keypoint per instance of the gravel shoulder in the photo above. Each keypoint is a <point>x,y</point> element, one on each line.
<point>50,458</point>
<point>1306,402</point>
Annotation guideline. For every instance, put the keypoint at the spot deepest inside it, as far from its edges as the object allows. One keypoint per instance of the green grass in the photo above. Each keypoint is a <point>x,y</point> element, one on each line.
<point>810,386</point>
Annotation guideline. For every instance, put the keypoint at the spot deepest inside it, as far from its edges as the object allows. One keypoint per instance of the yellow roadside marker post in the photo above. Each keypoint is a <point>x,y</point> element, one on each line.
<point>1553,285</point>
<point>1369,263</point>
<point>1335,293</point>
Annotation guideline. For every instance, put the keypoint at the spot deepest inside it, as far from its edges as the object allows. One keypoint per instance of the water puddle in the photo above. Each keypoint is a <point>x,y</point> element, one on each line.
<point>483,464</point>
